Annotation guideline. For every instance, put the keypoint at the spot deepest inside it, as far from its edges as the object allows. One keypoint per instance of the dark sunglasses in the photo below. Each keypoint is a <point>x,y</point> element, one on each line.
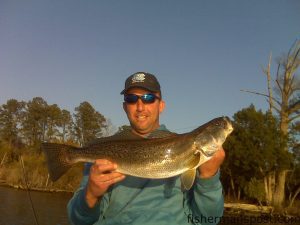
<point>146,98</point>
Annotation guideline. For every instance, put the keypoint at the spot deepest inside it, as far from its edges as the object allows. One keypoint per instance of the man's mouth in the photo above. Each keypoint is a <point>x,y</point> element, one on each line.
<point>141,117</point>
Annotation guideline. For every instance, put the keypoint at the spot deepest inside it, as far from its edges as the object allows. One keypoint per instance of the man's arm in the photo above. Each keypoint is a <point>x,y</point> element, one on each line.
<point>207,201</point>
<point>78,210</point>
<point>88,201</point>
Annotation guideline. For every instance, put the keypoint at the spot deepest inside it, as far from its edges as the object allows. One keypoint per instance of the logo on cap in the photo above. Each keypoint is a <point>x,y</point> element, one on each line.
<point>139,77</point>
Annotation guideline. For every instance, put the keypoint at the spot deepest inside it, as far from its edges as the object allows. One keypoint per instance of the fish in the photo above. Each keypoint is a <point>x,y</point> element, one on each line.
<point>154,158</point>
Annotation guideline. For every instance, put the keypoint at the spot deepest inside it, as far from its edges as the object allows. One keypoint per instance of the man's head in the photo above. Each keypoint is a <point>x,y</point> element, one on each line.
<point>142,102</point>
<point>142,80</point>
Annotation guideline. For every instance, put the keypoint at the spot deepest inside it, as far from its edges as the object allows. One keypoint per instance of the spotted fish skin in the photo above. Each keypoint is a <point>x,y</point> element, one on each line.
<point>146,157</point>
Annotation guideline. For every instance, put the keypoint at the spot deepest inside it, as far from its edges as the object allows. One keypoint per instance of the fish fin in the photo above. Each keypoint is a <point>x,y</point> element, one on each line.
<point>188,178</point>
<point>58,159</point>
<point>203,159</point>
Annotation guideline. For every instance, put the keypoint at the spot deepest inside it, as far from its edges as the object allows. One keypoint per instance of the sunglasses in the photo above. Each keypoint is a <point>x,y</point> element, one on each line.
<point>146,98</point>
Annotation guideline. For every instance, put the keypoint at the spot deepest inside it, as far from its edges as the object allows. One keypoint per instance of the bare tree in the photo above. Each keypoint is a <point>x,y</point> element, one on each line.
<point>286,103</point>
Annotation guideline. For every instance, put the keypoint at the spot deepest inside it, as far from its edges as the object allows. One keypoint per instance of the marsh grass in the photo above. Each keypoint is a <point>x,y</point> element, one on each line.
<point>35,170</point>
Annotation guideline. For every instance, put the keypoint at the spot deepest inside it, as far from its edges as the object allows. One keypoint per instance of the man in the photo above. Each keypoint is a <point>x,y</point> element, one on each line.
<point>108,197</point>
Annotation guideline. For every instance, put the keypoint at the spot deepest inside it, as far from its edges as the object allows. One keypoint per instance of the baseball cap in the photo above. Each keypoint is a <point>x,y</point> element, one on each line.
<point>142,80</point>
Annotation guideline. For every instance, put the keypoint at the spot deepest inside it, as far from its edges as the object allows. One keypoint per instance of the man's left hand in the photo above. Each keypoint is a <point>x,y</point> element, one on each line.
<point>210,168</point>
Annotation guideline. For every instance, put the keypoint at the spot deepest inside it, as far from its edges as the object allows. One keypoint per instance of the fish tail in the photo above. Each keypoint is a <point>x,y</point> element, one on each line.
<point>58,159</point>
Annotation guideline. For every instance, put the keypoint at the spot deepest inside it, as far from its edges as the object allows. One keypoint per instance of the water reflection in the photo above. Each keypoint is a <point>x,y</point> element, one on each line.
<point>15,207</point>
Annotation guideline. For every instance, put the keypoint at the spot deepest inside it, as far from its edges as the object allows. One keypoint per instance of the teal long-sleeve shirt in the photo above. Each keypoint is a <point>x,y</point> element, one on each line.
<point>139,201</point>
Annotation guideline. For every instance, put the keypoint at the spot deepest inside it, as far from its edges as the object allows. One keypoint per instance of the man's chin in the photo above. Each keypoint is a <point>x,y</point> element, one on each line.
<point>142,130</point>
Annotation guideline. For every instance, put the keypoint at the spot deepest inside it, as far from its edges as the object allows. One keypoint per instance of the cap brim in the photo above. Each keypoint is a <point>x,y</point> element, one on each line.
<point>138,86</point>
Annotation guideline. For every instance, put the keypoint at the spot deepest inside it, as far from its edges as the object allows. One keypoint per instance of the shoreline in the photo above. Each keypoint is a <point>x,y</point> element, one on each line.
<point>22,187</point>
<point>246,207</point>
<point>241,209</point>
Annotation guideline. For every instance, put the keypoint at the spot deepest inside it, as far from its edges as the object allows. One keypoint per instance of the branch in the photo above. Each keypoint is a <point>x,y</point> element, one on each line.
<point>268,73</point>
<point>293,108</point>
<point>277,74</point>
<point>294,45</point>
<point>294,197</point>
<point>295,57</point>
<point>295,117</point>
<point>276,109</point>
<point>278,84</point>
<point>290,66</point>
<point>265,71</point>
<point>296,88</point>
<point>290,86</point>
<point>257,93</point>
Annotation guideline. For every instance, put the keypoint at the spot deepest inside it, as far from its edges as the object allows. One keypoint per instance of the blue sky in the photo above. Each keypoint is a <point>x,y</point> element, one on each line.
<point>203,52</point>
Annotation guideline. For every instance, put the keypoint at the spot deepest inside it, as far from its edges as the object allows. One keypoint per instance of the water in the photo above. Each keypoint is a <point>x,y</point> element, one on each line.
<point>50,208</point>
<point>15,208</point>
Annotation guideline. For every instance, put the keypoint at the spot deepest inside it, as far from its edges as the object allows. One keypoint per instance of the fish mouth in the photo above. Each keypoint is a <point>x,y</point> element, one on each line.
<point>229,126</point>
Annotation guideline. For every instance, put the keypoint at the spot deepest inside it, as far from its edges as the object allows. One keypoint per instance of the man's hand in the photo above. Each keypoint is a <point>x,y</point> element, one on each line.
<point>102,175</point>
<point>210,168</point>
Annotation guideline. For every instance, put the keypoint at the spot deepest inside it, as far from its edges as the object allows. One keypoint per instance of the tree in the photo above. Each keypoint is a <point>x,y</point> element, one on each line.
<point>123,128</point>
<point>110,129</point>
<point>10,120</point>
<point>287,105</point>
<point>54,116</point>
<point>286,102</point>
<point>35,121</point>
<point>88,123</point>
<point>293,178</point>
<point>11,115</point>
<point>66,124</point>
<point>254,150</point>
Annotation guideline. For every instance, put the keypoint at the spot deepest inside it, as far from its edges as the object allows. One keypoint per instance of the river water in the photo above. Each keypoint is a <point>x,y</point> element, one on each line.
<point>50,208</point>
<point>15,207</point>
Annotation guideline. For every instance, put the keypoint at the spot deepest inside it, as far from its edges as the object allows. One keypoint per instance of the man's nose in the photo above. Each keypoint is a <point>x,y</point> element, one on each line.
<point>140,106</point>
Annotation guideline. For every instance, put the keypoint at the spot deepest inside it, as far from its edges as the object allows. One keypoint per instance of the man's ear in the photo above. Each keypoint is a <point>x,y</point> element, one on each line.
<point>162,105</point>
<point>124,107</point>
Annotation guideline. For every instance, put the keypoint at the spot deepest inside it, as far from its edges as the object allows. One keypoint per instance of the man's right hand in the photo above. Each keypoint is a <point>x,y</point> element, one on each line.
<point>102,175</point>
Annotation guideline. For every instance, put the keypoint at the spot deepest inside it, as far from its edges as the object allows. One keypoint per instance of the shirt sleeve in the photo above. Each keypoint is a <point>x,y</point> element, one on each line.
<point>206,199</point>
<point>79,212</point>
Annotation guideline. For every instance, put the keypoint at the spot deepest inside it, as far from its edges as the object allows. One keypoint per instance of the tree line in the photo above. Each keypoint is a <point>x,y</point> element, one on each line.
<point>30,123</point>
<point>25,125</point>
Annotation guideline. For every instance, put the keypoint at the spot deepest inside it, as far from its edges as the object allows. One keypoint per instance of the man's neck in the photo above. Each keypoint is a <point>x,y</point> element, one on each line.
<point>144,135</point>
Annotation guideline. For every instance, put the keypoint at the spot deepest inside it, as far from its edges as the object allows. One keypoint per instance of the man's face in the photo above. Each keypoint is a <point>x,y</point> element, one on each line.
<point>143,117</point>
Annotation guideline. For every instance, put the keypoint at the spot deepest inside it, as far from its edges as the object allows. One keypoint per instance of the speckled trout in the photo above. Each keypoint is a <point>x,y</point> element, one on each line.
<point>178,154</point>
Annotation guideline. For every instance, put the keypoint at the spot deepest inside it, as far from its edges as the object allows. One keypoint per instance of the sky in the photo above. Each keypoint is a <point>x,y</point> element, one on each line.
<point>202,52</point>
